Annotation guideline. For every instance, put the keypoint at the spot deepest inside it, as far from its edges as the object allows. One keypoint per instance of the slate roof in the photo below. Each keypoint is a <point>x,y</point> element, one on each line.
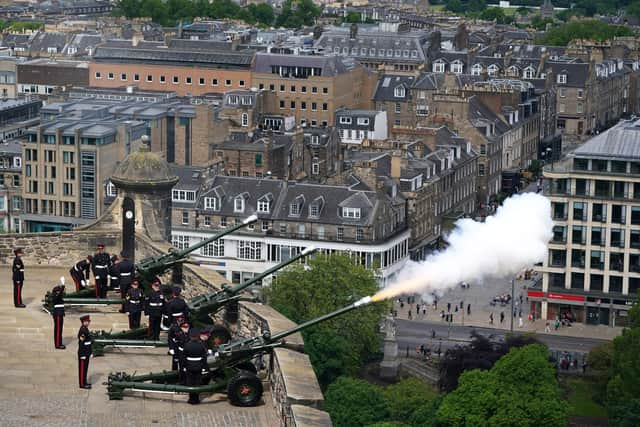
<point>43,41</point>
<point>429,81</point>
<point>577,73</point>
<point>620,142</point>
<point>409,44</point>
<point>479,112</point>
<point>330,65</point>
<point>330,198</point>
<point>115,52</point>
<point>83,42</point>
<point>386,85</point>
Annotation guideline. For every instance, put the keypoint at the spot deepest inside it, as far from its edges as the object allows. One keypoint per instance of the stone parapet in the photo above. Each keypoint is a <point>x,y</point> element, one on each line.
<point>61,248</point>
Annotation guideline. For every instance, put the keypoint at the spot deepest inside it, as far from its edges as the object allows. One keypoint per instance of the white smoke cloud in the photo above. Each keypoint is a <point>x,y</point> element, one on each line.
<point>514,238</point>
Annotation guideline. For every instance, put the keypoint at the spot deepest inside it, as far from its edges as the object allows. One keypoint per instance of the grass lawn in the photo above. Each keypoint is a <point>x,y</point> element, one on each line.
<point>580,393</point>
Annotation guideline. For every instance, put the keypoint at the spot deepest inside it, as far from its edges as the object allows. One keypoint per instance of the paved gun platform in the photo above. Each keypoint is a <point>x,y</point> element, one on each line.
<point>39,384</point>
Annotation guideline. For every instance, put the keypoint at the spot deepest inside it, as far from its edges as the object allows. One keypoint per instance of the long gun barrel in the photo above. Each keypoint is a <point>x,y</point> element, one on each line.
<point>328,316</point>
<point>157,264</point>
<point>205,304</point>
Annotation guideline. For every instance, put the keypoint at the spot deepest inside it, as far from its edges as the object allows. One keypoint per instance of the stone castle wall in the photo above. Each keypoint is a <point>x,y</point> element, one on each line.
<point>62,248</point>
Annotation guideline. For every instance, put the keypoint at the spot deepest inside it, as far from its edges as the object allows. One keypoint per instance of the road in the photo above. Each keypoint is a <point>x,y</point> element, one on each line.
<point>414,333</point>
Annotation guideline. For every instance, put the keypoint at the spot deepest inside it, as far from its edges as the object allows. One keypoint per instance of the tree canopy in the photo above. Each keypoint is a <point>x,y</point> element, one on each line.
<point>590,29</point>
<point>342,345</point>
<point>623,389</point>
<point>355,403</point>
<point>172,11</point>
<point>521,389</point>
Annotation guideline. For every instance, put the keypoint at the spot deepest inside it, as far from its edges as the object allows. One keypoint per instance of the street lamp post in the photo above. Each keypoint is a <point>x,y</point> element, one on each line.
<point>549,156</point>
<point>513,297</point>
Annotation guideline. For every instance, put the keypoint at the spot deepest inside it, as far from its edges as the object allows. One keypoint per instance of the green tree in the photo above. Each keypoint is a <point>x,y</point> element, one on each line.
<point>521,389</point>
<point>589,29</point>
<point>388,424</point>
<point>263,13</point>
<point>353,18</point>
<point>623,389</point>
<point>426,415</point>
<point>341,345</point>
<point>476,5</point>
<point>495,14</point>
<point>355,403</point>
<point>407,396</point>
<point>454,6</point>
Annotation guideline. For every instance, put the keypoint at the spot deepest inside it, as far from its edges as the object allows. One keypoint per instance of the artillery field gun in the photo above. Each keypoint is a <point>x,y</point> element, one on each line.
<point>200,310</point>
<point>231,369</point>
<point>146,271</point>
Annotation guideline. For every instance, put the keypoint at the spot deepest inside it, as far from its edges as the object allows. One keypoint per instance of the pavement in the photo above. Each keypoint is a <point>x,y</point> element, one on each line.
<point>39,385</point>
<point>479,295</point>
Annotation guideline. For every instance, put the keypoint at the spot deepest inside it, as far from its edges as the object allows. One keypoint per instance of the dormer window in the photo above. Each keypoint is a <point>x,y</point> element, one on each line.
<point>363,121</point>
<point>399,92</point>
<point>264,203</point>
<point>353,213</point>
<point>562,78</point>
<point>238,204</point>
<point>316,207</point>
<point>528,73</point>
<point>513,71</point>
<point>492,70</point>
<point>315,140</point>
<point>211,203</point>
<point>345,120</point>
<point>476,70</point>
<point>456,67</point>
<point>295,208</point>
<point>438,66</point>
<point>183,196</point>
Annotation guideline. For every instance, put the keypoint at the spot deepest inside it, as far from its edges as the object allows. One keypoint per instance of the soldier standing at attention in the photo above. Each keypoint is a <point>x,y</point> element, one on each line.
<point>84,351</point>
<point>181,339</point>
<point>58,314</point>
<point>172,340</point>
<point>177,306</point>
<point>133,304</point>
<point>195,363</point>
<point>114,277</point>
<point>154,304</point>
<point>18,277</point>
<point>80,272</point>
<point>126,271</point>
<point>101,261</point>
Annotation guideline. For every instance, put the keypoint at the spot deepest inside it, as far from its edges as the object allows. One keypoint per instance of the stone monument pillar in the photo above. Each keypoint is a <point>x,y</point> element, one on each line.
<point>390,364</point>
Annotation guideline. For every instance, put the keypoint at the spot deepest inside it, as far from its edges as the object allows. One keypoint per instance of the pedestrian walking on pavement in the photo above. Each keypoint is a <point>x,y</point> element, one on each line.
<point>410,318</point>
<point>491,319</point>
<point>501,317</point>
<point>435,304</point>
<point>461,305</point>
<point>556,324</point>
<point>433,333</point>
<point>417,309</point>
<point>468,309</point>
<point>448,307</point>
<point>520,322</point>
<point>456,308</point>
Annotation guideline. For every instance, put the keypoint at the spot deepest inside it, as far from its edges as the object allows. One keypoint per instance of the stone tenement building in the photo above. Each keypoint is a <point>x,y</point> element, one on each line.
<point>144,184</point>
<point>188,71</point>
<point>312,88</point>
<point>10,186</point>
<point>391,47</point>
<point>593,267</point>
<point>369,224</point>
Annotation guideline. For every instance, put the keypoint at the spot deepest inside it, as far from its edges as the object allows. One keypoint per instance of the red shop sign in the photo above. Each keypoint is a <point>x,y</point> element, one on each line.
<point>535,294</point>
<point>567,297</point>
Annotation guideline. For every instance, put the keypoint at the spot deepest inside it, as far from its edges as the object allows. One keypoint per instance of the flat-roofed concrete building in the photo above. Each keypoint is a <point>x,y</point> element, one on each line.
<point>593,267</point>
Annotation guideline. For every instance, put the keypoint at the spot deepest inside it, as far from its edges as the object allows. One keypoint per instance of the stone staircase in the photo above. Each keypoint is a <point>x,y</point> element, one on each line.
<point>427,371</point>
